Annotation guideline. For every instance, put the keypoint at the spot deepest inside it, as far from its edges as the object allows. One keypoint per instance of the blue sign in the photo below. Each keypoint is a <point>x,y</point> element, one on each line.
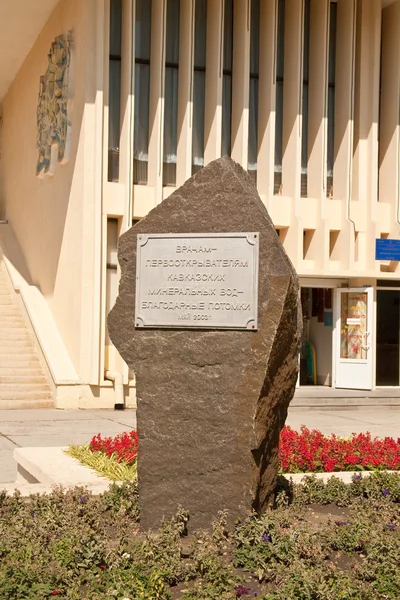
<point>387,249</point>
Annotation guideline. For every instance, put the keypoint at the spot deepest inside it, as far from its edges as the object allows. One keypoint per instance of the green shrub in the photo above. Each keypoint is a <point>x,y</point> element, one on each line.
<point>320,542</point>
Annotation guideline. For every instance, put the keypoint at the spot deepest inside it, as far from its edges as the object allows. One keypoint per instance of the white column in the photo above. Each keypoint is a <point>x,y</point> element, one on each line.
<point>390,105</point>
<point>317,84</point>
<point>214,72</point>
<point>240,81</point>
<point>363,207</point>
<point>344,84</point>
<point>126,151</point>
<point>92,128</point>
<point>266,100</point>
<point>156,113</point>
<point>293,81</point>
<point>366,114</point>
<point>127,107</point>
<point>185,104</point>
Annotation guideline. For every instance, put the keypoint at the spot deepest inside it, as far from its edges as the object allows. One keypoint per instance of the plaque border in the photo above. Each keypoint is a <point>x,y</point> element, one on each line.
<point>252,237</point>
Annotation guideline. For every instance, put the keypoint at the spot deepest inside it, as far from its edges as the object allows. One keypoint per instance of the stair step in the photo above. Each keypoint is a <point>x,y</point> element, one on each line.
<point>18,358</point>
<point>7,392</point>
<point>26,395</point>
<point>15,345</point>
<point>9,311</point>
<point>26,403</point>
<point>11,322</point>
<point>23,379</point>
<point>20,361</point>
<point>19,370</point>
<point>12,334</point>
<point>17,353</point>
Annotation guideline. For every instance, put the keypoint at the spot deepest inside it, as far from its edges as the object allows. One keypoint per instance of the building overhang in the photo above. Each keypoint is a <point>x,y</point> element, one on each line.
<point>21,21</point>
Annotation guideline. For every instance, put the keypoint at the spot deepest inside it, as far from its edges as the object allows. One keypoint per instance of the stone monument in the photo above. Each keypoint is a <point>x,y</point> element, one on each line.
<point>208,317</point>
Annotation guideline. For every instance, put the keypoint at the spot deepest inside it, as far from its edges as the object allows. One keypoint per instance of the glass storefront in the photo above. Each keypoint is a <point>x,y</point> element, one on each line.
<point>387,338</point>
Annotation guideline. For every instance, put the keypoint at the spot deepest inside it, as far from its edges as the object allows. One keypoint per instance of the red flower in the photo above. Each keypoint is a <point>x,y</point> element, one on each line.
<point>312,451</point>
<point>123,447</point>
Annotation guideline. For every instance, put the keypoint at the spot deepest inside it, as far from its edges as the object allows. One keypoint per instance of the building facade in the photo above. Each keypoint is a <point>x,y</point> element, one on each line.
<point>107,106</point>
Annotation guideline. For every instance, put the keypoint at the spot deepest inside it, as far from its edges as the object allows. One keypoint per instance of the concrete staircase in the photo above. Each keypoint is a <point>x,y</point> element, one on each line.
<point>22,380</point>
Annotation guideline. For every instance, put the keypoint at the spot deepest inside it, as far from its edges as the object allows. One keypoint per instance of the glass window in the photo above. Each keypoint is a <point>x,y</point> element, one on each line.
<point>280,59</point>
<point>353,325</point>
<point>199,85</point>
<point>114,90</point>
<point>171,93</point>
<point>253,94</point>
<point>226,146</point>
<point>331,97</point>
<point>142,90</point>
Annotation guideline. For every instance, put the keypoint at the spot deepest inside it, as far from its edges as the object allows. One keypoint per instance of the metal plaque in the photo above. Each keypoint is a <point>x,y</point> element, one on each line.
<point>207,280</point>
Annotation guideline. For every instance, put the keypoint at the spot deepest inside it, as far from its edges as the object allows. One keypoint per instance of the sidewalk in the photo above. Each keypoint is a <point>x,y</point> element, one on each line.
<point>379,421</point>
<point>51,427</point>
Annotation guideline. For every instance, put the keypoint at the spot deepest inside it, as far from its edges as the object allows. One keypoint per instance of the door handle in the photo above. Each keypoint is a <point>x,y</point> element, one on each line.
<point>364,341</point>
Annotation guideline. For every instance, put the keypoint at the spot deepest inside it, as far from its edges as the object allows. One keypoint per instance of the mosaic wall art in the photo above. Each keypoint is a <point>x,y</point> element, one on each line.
<point>53,118</point>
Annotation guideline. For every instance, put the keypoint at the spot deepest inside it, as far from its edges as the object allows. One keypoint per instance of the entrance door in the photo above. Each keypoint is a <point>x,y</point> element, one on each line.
<point>388,337</point>
<point>354,313</point>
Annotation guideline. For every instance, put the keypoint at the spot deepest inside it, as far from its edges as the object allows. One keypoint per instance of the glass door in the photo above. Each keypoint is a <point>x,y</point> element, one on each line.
<point>388,337</point>
<point>354,338</point>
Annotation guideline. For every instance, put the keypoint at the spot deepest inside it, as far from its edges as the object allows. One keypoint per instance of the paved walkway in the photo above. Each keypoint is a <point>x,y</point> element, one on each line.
<point>379,421</point>
<point>51,427</point>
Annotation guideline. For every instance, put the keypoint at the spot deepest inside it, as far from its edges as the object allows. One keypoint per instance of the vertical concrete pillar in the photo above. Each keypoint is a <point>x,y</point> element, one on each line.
<point>266,100</point>
<point>214,72</point>
<point>317,132</point>
<point>390,105</point>
<point>344,97</point>
<point>343,122</point>
<point>92,128</point>
<point>156,116</point>
<point>293,80</point>
<point>317,97</point>
<point>366,117</point>
<point>185,104</point>
<point>389,110</point>
<point>127,106</point>
<point>125,156</point>
<point>366,104</point>
<point>241,81</point>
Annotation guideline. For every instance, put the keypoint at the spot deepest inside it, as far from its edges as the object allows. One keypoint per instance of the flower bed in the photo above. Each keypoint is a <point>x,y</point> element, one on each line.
<point>111,457</point>
<point>322,541</point>
<point>311,451</point>
<point>306,451</point>
<point>122,447</point>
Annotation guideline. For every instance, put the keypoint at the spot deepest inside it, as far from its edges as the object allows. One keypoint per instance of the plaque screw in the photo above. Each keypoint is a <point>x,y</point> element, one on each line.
<point>253,326</point>
<point>137,324</point>
<point>255,236</point>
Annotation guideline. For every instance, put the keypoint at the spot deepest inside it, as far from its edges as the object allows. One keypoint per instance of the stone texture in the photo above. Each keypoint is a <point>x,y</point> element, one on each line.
<point>211,404</point>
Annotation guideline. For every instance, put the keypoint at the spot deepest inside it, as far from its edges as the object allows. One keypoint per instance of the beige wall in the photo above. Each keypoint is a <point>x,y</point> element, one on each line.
<point>54,218</point>
<point>61,222</point>
<point>338,230</point>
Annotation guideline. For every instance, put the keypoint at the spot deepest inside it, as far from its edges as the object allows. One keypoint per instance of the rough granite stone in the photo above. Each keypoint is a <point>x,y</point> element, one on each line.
<point>211,403</point>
